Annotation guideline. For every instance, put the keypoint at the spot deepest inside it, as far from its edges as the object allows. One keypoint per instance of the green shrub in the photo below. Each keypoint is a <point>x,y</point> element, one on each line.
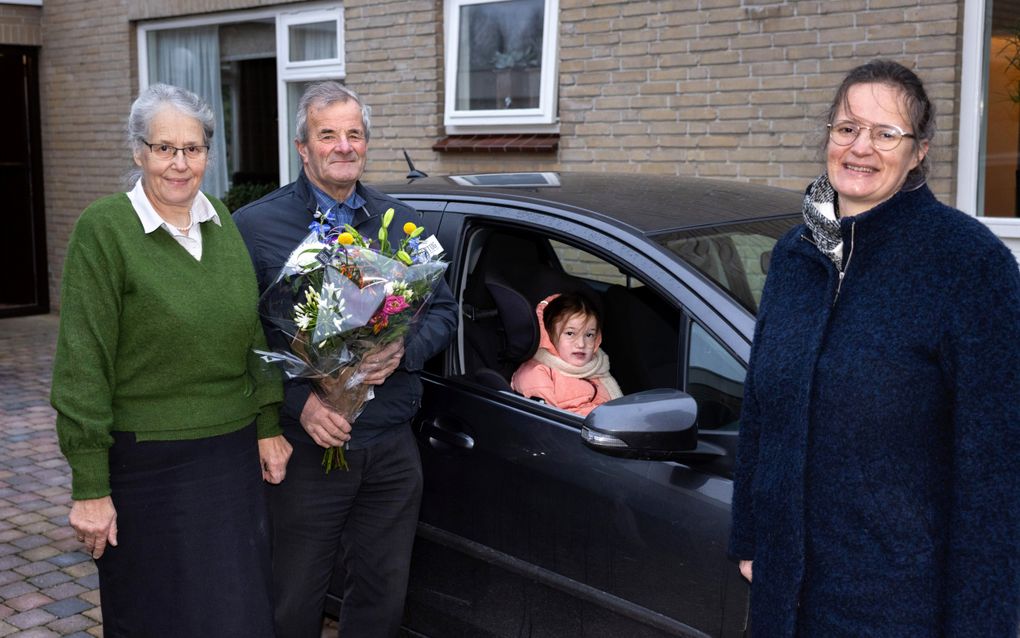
<point>241,194</point>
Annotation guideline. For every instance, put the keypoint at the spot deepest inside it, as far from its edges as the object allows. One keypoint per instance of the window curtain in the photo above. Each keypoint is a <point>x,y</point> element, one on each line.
<point>190,59</point>
<point>314,41</point>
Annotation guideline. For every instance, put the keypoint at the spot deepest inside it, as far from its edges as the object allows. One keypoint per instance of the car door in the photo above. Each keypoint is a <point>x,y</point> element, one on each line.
<point>524,530</point>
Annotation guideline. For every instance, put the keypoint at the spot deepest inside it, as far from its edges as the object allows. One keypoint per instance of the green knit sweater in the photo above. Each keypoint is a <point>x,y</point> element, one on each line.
<point>155,342</point>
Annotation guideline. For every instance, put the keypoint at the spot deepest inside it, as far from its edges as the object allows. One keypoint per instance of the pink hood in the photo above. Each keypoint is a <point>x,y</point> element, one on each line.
<point>545,341</point>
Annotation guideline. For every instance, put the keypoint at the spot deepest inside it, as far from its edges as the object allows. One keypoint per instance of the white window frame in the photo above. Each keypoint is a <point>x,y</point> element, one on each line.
<point>971,137</point>
<point>538,120</point>
<point>286,71</point>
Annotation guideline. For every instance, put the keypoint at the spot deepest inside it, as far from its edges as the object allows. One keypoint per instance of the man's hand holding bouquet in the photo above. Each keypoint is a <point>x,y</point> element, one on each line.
<point>340,300</point>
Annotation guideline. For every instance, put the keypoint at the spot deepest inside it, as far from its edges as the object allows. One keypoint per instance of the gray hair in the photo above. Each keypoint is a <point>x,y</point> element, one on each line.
<point>321,95</point>
<point>159,96</point>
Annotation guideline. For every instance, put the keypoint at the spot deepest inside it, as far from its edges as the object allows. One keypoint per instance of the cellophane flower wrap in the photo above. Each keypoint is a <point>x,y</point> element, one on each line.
<point>338,298</point>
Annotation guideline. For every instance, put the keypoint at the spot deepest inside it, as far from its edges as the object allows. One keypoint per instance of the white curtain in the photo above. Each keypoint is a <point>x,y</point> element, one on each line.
<point>313,41</point>
<point>190,59</point>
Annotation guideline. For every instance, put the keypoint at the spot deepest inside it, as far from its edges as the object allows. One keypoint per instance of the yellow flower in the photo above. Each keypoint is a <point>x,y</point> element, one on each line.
<point>345,238</point>
<point>409,227</point>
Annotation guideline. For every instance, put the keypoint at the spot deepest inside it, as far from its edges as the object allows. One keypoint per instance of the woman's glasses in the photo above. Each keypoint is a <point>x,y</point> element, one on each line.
<point>884,137</point>
<point>167,152</point>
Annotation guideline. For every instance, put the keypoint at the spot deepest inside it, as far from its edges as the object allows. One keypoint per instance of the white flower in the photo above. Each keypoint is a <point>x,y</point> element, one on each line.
<point>398,288</point>
<point>336,305</point>
<point>303,321</point>
<point>304,257</point>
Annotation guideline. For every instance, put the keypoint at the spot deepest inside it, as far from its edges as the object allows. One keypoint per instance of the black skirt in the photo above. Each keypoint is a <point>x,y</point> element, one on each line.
<point>193,540</point>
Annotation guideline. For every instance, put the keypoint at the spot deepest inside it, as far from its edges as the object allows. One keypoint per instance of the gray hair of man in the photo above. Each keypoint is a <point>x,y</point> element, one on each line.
<point>158,97</point>
<point>321,95</point>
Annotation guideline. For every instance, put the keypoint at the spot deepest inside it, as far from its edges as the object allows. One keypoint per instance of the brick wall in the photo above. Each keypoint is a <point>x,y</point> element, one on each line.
<point>394,61</point>
<point>85,88</point>
<point>718,88</point>
<point>730,89</point>
<point>19,24</point>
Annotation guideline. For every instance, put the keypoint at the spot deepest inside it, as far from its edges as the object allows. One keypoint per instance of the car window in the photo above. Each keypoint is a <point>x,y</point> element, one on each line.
<point>715,378</point>
<point>511,270</point>
<point>734,256</point>
<point>579,263</point>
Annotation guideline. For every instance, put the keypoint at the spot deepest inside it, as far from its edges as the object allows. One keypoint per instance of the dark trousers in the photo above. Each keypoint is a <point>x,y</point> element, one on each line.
<point>370,513</point>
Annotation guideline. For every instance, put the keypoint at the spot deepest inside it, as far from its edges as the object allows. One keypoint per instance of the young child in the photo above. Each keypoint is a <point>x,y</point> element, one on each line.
<point>569,370</point>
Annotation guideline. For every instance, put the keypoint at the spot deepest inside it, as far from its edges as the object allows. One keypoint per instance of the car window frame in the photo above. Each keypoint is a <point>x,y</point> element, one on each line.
<point>654,267</point>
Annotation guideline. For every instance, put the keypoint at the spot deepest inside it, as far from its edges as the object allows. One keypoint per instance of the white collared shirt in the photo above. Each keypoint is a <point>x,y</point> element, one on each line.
<point>201,209</point>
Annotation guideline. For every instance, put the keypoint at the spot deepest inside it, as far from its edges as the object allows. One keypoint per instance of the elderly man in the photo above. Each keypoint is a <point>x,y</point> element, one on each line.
<point>370,511</point>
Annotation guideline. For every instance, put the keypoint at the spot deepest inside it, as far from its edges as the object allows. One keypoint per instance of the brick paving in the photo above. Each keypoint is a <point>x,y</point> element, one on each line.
<point>48,587</point>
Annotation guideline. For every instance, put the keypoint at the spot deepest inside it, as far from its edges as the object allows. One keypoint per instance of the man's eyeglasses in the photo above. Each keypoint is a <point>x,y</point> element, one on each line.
<point>168,152</point>
<point>884,137</point>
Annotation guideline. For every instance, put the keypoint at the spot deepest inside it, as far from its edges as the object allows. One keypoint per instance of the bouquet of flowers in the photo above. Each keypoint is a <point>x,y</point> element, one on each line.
<point>338,298</point>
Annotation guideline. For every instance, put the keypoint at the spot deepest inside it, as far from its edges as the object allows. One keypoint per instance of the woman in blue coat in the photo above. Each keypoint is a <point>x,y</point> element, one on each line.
<point>877,489</point>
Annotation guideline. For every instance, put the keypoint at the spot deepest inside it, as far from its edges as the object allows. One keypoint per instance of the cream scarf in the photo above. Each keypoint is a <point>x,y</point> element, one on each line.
<point>597,368</point>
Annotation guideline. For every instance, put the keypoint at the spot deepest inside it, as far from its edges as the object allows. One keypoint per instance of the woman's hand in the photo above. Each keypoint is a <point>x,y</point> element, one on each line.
<point>274,452</point>
<point>745,569</point>
<point>95,522</point>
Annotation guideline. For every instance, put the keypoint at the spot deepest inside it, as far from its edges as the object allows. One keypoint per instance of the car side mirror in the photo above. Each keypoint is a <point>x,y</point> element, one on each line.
<point>654,425</point>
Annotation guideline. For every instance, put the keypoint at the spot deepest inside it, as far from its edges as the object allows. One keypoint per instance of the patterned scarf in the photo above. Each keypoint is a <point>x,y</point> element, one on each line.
<point>597,368</point>
<point>822,218</point>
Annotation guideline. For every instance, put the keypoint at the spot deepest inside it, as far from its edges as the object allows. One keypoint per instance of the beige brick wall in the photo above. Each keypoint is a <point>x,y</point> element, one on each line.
<point>729,89</point>
<point>85,88</point>
<point>394,60</point>
<point>726,88</point>
<point>19,24</point>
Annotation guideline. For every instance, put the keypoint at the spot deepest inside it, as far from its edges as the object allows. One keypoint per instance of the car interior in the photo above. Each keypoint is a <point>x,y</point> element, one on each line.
<point>510,271</point>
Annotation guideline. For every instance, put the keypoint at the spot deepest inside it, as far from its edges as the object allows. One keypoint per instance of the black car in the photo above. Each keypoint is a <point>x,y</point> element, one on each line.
<point>536,521</point>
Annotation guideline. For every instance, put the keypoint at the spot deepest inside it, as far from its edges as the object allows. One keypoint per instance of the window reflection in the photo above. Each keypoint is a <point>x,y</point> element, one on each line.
<point>500,61</point>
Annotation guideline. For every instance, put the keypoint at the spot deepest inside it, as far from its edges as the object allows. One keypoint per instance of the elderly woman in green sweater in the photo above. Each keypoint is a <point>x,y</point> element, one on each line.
<point>166,416</point>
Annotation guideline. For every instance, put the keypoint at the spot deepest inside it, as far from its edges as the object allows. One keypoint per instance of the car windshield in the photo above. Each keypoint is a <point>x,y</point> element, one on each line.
<point>734,256</point>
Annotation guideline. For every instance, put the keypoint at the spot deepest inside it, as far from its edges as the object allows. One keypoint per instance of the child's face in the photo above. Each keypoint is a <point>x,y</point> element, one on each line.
<point>575,339</point>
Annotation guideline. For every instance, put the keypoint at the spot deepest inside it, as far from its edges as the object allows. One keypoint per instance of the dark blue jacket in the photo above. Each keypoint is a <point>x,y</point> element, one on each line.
<point>878,474</point>
<point>272,227</point>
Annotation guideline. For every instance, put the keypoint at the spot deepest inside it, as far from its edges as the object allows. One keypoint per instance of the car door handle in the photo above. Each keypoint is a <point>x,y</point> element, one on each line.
<point>433,430</point>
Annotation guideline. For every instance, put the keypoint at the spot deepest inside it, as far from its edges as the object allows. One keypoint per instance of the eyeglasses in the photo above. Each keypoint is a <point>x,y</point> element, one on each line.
<point>168,152</point>
<point>884,137</point>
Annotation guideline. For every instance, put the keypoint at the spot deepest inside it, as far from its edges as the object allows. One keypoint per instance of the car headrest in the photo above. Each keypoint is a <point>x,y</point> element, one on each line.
<point>520,325</point>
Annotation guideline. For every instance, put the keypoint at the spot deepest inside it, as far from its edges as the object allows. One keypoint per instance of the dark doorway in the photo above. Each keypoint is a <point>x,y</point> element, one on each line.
<point>24,286</point>
<point>259,159</point>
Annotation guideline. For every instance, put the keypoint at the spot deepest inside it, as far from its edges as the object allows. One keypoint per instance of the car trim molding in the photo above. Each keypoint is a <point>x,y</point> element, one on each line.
<point>562,583</point>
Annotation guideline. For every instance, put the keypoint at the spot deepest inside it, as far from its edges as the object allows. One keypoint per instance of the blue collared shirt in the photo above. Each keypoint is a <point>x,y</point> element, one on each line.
<point>344,210</point>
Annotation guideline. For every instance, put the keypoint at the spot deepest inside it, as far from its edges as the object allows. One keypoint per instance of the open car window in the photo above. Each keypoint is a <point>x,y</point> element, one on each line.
<point>510,270</point>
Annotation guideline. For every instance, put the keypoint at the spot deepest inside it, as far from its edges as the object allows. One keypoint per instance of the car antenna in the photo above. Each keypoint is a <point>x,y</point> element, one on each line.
<point>412,171</point>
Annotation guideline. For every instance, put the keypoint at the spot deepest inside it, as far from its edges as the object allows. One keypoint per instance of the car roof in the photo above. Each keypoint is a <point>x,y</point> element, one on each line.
<point>649,203</point>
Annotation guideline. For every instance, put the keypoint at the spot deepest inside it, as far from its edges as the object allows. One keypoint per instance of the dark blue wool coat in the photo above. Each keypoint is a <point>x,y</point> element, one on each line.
<point>877,486</point>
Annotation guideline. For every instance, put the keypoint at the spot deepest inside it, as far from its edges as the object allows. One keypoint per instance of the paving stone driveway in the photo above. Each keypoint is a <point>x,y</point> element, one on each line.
<point>47,586</point>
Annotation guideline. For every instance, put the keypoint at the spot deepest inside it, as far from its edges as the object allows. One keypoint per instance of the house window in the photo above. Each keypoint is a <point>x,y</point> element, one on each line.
<point>250,66</point>
<point>1002,115</point>
<point>501,58</point>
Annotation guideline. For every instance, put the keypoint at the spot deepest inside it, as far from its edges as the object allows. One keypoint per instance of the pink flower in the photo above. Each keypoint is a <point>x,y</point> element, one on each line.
<point>394,304</point>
